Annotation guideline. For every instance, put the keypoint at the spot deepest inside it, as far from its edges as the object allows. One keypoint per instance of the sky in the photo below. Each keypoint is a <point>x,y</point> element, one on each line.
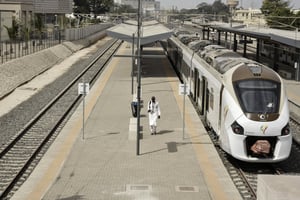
<point>179,4</point>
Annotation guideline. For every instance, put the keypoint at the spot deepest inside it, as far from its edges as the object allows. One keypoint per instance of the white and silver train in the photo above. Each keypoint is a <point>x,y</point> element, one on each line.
<point>243,101</point>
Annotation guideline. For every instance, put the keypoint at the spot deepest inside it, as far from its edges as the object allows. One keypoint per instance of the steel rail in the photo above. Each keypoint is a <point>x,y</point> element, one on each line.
<point>5,192</point>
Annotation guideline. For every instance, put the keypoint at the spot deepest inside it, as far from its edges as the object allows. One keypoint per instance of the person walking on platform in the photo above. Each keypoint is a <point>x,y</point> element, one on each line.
<point>154,114</point>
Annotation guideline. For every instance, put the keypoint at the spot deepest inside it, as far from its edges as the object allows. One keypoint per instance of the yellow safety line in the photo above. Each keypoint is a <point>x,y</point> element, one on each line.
<point>215,187</point>
<point>54,168</point>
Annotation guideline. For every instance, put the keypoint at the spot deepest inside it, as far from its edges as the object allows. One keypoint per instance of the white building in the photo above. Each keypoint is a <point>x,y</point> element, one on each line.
<point>148,6</point>
<point>23,11</point>
<point>53,6</point>
<point>249,17</point>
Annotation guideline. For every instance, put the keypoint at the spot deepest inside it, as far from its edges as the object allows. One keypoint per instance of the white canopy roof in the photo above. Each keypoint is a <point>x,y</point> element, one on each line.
<point>291,38</point>
<point>150,32</point>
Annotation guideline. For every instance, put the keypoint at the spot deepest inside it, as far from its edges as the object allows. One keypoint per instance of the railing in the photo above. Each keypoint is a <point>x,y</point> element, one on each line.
<point>80,33</point>
<point>10,50</point>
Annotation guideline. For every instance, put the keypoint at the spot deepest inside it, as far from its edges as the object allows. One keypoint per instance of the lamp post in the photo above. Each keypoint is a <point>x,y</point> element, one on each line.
<point>55,19</point>
<point>1,37</point>
<point>297,64</point>
<point>138,77</point>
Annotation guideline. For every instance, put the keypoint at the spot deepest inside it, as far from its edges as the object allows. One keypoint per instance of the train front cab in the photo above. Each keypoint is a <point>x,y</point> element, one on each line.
<point>242,129</point>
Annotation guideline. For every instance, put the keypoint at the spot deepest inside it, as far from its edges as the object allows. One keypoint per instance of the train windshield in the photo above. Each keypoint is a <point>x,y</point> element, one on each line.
<point>258,96</point>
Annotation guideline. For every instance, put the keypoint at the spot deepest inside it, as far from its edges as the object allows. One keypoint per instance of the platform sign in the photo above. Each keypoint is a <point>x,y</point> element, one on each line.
<point>83,88</point>
<point>184,89</point>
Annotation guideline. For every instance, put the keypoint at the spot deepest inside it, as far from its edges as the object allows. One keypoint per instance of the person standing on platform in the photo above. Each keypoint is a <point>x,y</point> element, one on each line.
<point>154,114</point>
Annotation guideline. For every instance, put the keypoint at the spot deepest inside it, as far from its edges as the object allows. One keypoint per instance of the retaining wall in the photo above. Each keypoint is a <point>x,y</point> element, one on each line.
<point>19,71</point>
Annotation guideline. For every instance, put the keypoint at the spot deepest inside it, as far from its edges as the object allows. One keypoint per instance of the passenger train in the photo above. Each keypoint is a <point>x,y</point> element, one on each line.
<point>243,101</point>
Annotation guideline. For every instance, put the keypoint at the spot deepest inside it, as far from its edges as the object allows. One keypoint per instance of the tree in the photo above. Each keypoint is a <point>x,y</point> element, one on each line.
<point>38,23</point>
<point>219,8</point>
<point>278,13</point>
<point>204,8</point>
<point>82,6</point>
<point>297,20</point>
<point>100,6</point>
<point>215,10</point>
<point>93,6</point>
<point>13,30</point>
<point>124,9</point>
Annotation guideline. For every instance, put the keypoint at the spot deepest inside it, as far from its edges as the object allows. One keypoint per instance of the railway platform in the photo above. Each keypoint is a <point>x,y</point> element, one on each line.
<point>100,161</point>
<point>293,93</point>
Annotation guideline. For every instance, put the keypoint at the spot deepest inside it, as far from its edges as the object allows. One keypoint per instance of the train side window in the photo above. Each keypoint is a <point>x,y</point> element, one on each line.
<point>211,98</point>
<point>258,96</point>
<point>209,60</point>
<point>198,87</point>
<point>185,69</point>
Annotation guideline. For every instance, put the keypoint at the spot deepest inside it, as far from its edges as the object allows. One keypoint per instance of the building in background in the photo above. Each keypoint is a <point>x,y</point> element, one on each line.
<point>249,17</point>
<point>148,6</point>
<point>53,6</point>
<point>23,12</point>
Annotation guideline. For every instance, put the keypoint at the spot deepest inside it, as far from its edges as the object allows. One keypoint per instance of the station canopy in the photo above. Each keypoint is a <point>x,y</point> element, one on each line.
<point>287,37</point>
<point>151,31</point>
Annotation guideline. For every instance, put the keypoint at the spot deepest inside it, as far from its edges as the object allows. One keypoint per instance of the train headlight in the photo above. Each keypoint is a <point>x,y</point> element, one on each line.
<point>286,130</point>
<point>237,129</point>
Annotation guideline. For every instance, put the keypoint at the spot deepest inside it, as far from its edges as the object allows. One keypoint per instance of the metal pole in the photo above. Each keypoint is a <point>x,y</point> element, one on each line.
<point>298,57</point>
<point>298,71</point>
<point>183,113</point>
<point>297,67</point>
<point>83,110</point>
<point>132,69</point>
<point>139,78</point>
<point>1,52</point>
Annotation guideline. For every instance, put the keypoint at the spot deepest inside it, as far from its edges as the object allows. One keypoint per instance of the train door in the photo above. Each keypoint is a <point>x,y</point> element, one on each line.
<point>206,101</point>
<point>224,119</point>
<point>179,60</point>
<point>203,96</point>
<point>198,90</point>
<point>196,85</point>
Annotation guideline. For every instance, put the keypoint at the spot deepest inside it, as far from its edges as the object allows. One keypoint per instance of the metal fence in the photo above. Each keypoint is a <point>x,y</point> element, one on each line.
<point>81,33</point>
<point>10,50</point>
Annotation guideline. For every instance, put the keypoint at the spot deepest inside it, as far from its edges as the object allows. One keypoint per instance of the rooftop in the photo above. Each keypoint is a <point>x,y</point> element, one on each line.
<point>151,31</point>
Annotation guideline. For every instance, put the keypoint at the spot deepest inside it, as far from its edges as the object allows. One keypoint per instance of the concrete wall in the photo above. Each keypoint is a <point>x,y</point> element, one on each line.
<point>17,72</point>
<point>80,33</point>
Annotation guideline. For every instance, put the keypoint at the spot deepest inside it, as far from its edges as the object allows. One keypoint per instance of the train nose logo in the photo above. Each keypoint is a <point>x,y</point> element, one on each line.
<point>262,117</point>
<point>263,128</point>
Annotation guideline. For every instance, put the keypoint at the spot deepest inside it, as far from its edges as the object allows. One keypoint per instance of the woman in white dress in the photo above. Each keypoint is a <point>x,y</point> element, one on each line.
<point>154,114</point>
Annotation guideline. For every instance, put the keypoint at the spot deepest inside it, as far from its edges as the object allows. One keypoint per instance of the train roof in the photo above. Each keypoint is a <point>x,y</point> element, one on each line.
<point>210,48</point>
<point>223,64</point>
<point>254,69</point>
<point>221,52</point>
<point>223,60</point>
<point>212,56</point>
<point>198,44</point>
<point>180,32</point>
<point>213,46</point>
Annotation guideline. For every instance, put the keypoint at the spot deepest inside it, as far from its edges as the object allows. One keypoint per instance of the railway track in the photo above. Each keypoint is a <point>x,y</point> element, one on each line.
<point>21,153</point>
<point>244,175</point>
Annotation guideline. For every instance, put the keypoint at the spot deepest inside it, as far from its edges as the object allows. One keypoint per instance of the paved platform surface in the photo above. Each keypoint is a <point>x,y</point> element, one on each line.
<point>293,93</point>
<point>102,161</point>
